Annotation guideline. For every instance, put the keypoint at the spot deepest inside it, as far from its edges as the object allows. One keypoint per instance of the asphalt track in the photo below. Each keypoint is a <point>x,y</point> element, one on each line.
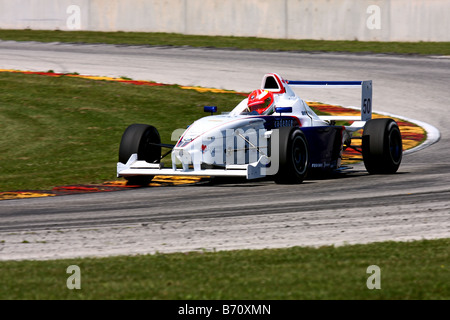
<point>349,208</point>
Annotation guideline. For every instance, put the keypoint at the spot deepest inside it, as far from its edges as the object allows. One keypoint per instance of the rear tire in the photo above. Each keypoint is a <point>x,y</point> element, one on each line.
<point>293,156</point>
<point>140,139</point>
<point>382,147</point>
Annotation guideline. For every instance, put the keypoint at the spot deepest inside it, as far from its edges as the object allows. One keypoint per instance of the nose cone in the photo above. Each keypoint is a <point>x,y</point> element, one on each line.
<point>203,126</point>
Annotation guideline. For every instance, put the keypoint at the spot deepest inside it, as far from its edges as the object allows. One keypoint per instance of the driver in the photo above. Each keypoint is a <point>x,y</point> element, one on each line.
<point>261,101</point>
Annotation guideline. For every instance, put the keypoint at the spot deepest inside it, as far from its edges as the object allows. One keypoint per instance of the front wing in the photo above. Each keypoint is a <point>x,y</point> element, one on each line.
<point>135,167</point>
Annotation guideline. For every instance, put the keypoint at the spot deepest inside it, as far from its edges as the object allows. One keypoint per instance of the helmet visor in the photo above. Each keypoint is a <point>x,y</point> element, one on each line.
<point>261,105</point>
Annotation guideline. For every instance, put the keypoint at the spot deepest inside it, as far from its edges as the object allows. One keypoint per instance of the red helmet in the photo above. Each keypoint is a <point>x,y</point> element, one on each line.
<point>260,100</point>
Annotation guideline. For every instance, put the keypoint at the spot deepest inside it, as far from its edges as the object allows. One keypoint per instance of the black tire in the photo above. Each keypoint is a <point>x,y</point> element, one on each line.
<point>140,139</point>
<point>293,156</point>
<point>382,146</point>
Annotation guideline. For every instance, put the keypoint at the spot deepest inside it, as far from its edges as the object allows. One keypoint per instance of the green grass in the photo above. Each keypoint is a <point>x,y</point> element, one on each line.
<point>66,130</point>
<point>408,270</point>
<point>173,39</point>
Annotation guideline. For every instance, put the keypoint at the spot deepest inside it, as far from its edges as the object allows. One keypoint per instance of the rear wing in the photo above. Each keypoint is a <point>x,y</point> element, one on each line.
<point>366,95</point>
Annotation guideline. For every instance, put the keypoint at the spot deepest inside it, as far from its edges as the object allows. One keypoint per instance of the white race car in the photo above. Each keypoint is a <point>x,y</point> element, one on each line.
<point>272,133</point>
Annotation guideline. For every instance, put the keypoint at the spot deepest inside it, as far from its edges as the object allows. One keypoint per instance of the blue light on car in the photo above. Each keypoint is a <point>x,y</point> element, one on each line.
<point>211,109</point>
<point>283,110</point>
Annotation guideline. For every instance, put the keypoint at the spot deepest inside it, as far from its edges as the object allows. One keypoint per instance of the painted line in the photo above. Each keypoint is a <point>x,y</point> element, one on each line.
<point>108,186</point>
<point>9,195</point>
<point>416,135</point>
<point>432,133</point>
<point>122,80</point>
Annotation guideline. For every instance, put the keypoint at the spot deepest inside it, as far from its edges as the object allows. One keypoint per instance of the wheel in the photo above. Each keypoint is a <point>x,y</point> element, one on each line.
<point>140,139</point>
<point>382,147</point>
<point>293,156</point>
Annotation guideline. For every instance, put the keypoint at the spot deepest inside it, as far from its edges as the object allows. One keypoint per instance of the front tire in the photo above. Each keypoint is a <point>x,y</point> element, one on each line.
<point>382,147</point>
<point>143,140</point>
<point>293,156</point>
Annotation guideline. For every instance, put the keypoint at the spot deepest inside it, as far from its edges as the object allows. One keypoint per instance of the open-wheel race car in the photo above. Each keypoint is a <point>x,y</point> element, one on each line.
<point>272,133</point>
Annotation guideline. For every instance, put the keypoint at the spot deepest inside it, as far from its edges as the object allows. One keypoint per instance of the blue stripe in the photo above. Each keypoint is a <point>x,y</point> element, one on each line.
<point>325,83</point>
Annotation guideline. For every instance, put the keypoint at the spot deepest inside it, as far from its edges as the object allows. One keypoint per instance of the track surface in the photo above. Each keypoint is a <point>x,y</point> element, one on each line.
<point>351,208</point>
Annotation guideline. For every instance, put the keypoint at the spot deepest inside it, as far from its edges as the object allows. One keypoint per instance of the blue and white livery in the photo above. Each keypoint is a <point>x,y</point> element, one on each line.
<point>286,140</point>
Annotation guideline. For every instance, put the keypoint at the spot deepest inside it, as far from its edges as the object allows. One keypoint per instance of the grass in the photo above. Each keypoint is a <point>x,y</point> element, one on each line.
<point>408,271</point>
<point>66,130</point>
<point>174,39</point>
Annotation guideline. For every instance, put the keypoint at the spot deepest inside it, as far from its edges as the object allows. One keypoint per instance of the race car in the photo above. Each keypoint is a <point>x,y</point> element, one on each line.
<point>272,133</point>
